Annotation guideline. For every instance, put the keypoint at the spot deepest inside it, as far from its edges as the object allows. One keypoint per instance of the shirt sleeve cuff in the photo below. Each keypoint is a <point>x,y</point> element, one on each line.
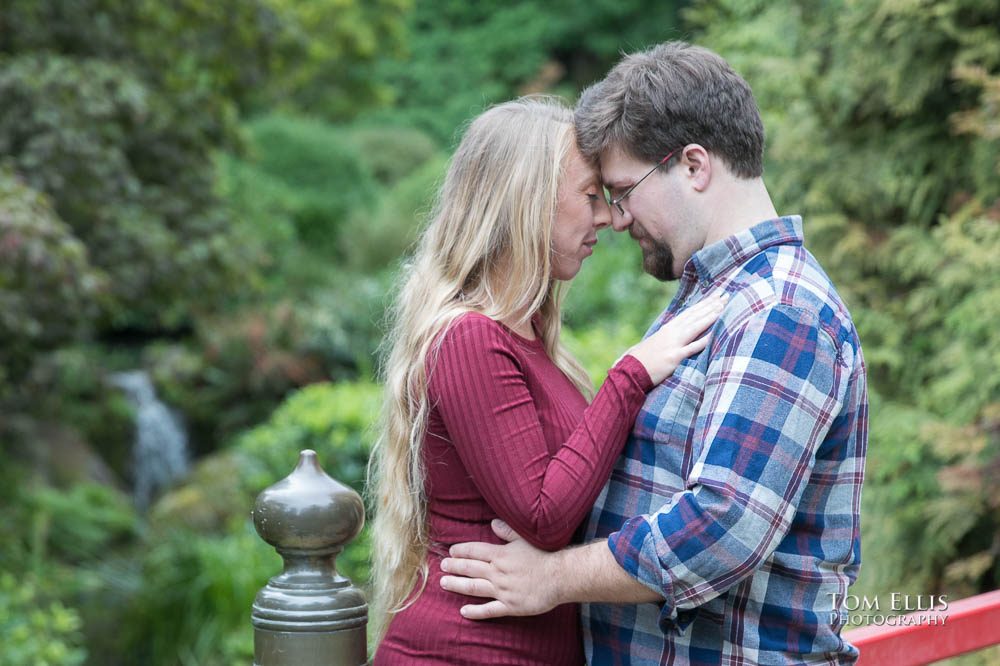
<point>633,547</point>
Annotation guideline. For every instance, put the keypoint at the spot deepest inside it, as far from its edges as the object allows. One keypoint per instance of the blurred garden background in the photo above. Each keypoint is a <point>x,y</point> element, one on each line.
<point>204,205</point>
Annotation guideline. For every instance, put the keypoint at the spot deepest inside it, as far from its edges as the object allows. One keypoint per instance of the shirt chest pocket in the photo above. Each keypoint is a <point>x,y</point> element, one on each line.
<point>668,416</point>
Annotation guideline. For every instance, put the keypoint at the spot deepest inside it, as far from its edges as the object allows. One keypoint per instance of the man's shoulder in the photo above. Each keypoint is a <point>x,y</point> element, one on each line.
<point>788,277</point>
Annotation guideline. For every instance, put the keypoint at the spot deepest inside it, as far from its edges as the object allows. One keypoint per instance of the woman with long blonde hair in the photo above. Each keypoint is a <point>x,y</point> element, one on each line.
<point>484,414</point>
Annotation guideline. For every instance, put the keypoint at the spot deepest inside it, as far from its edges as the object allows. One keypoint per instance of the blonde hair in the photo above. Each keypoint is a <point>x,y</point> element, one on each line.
<point>486,249</point>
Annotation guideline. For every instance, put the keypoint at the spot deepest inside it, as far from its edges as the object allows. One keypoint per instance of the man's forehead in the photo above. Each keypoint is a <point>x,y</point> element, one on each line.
<point>615,164</point>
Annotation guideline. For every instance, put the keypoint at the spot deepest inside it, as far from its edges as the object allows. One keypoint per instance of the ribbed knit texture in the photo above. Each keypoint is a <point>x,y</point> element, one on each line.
<point>508,437</point>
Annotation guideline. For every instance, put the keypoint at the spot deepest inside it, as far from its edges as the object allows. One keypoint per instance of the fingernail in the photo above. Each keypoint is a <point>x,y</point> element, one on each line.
<point>463,611</point>
<point>445,564</point>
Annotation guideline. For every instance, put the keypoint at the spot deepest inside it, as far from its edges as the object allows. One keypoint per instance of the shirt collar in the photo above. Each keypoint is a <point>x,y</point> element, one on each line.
<point>720,257</point>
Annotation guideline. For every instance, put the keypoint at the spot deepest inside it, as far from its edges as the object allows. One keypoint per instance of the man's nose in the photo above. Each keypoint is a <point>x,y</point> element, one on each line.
<point>621,221</point>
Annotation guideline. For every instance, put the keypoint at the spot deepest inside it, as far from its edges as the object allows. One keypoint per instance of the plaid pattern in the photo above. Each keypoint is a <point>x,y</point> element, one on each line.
<point>737,496</point>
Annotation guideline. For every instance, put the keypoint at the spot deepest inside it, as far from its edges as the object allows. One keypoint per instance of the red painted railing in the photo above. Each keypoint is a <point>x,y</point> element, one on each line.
<point>928,636</point>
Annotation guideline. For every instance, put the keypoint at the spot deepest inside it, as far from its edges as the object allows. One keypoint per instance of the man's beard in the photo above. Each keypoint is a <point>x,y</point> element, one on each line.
<point>658,261</point>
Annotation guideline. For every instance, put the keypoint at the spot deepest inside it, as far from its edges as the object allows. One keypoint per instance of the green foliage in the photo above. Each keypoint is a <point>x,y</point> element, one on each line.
<point>129,184</point>
<point>311,155</point>
<point>597,348</point>
<point>68,388</point>
<point>196,593</point>
<point>242,364</point>
<point>35,631</point>
<point>335,420</point>
<point>612,287</point>
<point>899,484</point>
<point>317,176</point>
<point>329,50</point>
<point>114,109</point>
<point>952,280</point>
<point>204,563</point>
<point>207,53</point>
<point>82,522</point>
<point>906,93</point>
<point>392,153</point>
<point>113,113</point>
<point>313,194</point>
<point>15,552</point>
<point>377,240</point>
<point>343,322</point>
<point>262,209</point>
<point>49,291</point>
<point>315,56</point>
<point>465,56</point>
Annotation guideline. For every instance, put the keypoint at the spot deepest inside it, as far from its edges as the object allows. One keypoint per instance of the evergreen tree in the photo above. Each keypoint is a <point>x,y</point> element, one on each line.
<point>882,121</point>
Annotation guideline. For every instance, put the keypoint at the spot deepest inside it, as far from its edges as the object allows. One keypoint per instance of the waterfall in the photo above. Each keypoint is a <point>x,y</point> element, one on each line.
<point>159,452</point>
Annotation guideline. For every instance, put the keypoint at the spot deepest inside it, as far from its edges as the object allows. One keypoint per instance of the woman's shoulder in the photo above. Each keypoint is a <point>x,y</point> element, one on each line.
<point>467,350</point>
<point>474,329</point>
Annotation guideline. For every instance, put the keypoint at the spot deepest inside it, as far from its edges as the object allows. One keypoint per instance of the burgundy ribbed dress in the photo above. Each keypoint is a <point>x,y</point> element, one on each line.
<point>508,436</point>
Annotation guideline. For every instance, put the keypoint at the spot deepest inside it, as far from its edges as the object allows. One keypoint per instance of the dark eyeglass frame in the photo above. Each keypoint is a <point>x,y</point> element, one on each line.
<point>617,203</point>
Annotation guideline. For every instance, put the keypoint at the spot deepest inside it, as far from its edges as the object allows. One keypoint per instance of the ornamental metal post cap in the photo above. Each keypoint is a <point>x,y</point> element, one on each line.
<point>309,615</point>
<point>308,510</point>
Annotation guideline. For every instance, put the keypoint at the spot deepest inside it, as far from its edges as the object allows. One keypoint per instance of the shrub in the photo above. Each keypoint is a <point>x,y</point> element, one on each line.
<point>204,562</point>
<point>241,364</point>
<point>324,176</point>
<point>70,388</point>
<point>130,177</point>
<point>376,241</point>
<point>342,323</point>
<point>392,153</point>
<point>336,421</point>
<point>34,631</point>
<point>244,362</point>
<point>597,348</point>
<point>81,523</point>
<point>49,290</point>
<point>195,596</point>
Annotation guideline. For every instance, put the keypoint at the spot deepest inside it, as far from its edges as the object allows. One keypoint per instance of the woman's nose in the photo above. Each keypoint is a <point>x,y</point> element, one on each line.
<point>602,216</point>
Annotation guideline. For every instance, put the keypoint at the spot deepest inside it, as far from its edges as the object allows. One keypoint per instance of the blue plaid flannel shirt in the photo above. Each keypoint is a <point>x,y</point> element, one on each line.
<point>737,496</point>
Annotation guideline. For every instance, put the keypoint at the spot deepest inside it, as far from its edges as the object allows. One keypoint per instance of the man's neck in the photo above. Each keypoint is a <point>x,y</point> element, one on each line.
<point>741,204</point>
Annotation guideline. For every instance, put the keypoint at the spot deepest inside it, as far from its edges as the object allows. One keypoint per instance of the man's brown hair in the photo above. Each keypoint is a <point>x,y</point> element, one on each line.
<point>664,98</point>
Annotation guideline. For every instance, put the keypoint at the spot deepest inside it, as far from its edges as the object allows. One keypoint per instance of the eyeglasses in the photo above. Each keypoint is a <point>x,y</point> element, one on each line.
<point>617,203</point>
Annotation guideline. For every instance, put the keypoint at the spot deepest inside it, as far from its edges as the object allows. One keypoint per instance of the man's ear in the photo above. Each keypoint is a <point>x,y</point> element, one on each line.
<point>697,165</point>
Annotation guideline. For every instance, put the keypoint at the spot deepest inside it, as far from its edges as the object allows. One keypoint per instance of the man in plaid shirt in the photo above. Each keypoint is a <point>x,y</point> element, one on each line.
<point>729,530</point>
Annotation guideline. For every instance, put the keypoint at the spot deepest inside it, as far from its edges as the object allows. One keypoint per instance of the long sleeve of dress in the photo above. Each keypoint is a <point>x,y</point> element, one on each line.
<point>479,386</point>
